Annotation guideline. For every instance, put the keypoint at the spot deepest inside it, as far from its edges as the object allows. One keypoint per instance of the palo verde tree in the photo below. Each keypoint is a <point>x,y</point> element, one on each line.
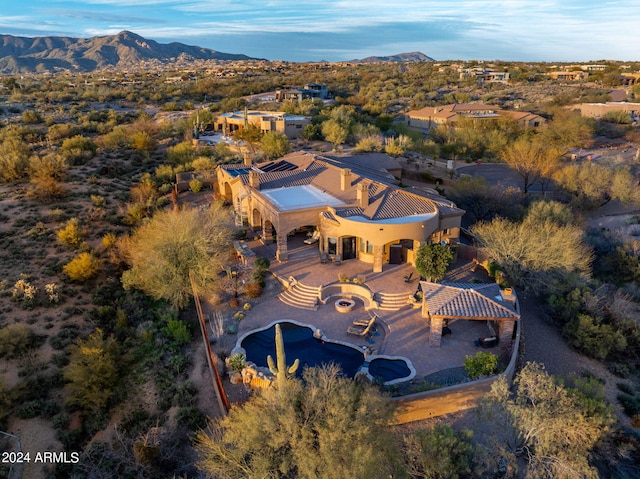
<point>175,247</point>
<point>433,260</point>
<point>534,252</point>
<point>531,159</point>
<point>324,426</point>
<point>554,428</point>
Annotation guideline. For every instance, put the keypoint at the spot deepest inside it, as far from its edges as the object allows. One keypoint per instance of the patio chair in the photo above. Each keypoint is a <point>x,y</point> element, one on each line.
<point>407,279</point>
<point>362,330</point>
<point>313,238</point>
<point>337,260</point>
<point>324,258</point>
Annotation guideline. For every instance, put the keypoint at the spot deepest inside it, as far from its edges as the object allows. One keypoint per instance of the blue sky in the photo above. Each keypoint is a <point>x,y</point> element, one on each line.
<point>334,30</point>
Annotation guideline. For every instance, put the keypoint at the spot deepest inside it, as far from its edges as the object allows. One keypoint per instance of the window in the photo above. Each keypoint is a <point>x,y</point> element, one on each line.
<point>333,244</point>
<point>366,246</point>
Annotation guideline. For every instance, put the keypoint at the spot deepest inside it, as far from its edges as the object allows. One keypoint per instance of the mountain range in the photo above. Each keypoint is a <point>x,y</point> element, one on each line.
<point>126,50</point>
<point>399,58</point>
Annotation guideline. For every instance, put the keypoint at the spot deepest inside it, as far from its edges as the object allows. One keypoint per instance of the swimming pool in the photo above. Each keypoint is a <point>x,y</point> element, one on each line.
<point>301,344</point>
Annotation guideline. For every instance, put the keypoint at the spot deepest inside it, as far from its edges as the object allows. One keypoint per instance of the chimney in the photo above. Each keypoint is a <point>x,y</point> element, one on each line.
<point>345,179</point>
<point>362,195</point>
<point>254,179</point>
<point>247,159</point>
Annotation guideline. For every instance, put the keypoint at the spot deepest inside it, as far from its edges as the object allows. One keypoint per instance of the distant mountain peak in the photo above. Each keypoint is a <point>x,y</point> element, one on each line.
<point>399,58</point>
<point>123,50</point>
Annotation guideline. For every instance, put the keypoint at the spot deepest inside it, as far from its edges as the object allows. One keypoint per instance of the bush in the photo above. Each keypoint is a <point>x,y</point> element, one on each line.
<point>195,186</point>
<point>593,337</point>
<point>14,339</point>
<point>178,332</point>
<point>482,364</point>
<point>71,235</point>
<point>78,149</point>
<point>237,362</point>
<point>254,289</point>
<point>82,268</point>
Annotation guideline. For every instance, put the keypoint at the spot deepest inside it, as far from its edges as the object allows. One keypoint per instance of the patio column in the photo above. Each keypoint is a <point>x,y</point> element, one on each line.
<point>505,332</point>
<point>266,232</point>
<point>378,258</point>
<point>281,247</point>
<point>436,332</point>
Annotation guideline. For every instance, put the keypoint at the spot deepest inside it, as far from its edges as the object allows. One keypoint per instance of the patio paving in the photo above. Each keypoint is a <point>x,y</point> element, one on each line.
<point>406,333</point>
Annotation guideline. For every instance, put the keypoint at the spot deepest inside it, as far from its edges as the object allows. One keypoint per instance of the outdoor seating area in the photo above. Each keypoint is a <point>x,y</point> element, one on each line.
<point>357,329</point>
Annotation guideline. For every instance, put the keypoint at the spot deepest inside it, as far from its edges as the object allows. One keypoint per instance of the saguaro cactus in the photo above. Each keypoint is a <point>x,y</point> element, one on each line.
<point>280,370</point>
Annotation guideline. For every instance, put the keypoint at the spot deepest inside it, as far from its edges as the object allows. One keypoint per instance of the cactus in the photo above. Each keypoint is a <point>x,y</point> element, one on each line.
<point>280,371</point>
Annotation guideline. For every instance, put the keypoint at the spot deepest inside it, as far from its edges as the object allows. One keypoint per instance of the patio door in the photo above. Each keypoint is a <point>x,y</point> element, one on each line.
<point>349,247</point>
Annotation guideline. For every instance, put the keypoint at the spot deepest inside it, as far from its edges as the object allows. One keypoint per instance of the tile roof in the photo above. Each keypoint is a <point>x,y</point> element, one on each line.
<point>467,301</point>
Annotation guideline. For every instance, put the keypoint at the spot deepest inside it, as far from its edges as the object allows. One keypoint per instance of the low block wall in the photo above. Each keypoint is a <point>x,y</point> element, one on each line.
<point>447,400</point>
<point>348,290</point>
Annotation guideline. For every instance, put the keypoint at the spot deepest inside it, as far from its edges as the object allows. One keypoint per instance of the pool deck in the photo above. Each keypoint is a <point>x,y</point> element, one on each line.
<point>406,333</point>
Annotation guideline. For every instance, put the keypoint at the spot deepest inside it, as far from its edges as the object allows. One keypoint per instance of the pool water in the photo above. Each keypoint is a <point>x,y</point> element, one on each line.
<point>299,343</point>
<point>389,369</point>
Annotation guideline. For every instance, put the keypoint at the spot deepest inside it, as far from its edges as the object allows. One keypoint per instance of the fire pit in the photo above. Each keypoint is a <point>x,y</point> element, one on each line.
<point>344,305</point>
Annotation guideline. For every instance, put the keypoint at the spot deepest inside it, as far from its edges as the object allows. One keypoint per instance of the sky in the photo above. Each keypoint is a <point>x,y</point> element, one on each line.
<point>337,30</point>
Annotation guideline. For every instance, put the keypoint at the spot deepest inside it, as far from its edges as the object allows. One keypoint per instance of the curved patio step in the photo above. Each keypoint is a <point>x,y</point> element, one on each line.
<point>301,296</point>
<point>393,301</point>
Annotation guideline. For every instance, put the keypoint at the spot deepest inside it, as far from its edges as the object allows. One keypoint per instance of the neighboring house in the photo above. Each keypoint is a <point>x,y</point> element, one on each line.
<point>443,303</point>
<point>353,203</point>
<point>290,125</point>
<point>630,79</point>
<point>310,90</point>
<point>484,74</point>
<point>428,117</point>
<point>568,75</point>
<point>598,110</point>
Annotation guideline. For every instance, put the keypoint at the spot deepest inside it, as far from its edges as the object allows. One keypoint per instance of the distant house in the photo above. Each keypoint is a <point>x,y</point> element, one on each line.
<point>630,79</point>
<point>598,110</point>
<point>568,75</point>
<point>290,125</point>
<point>310,90</point>
<point>428,117</point>
<point>352,202</point>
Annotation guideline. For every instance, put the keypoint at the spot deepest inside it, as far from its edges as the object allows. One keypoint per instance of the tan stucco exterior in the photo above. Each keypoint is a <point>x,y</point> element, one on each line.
<point>357,217</point>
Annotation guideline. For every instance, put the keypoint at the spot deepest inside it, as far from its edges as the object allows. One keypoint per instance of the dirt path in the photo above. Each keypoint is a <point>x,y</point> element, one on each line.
<point>543,343</point>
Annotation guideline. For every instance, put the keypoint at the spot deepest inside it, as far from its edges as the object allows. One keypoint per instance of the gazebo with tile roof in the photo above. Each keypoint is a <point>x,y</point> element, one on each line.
<point>469,301</point>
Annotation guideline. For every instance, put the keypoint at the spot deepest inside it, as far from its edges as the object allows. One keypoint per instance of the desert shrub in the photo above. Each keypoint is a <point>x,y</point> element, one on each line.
<point>482,364</point>
<point>195,186</point>
<point>31,117</point>
<point>254,289</point>
<point>593,337</point>
<point>14,158</point>
<point>67,335</point>
<point>46,188</point>
<point>48,166</point>
<point>109,240</point>
<point>78,149</point>
<point>83,267</point>
<point>192,418</point>
<point>425,458</point>
<point>14,339</point>
<point>237,362</point>
<point>141,140</point>
<point>178,332</point>
<point>71,235</point>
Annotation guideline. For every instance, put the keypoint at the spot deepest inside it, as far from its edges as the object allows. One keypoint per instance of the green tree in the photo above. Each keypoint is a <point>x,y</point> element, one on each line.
<point>173,245</point>
<point>433,260</point>
<point>480,364</point>
<point>334,132</point>
<point>275,144</point>
<point>554,428</point>
<point>531,159</point>
<point>92,371</point>
<point>324,426</point>
<point>559,213</point>
<point>250,134</point>
<point>181,154</point>
<point>426,456</point>
<point>532,252</point>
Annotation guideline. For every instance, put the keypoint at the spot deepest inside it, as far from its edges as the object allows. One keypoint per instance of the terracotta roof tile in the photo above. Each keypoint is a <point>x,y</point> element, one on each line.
<point>467,300</point>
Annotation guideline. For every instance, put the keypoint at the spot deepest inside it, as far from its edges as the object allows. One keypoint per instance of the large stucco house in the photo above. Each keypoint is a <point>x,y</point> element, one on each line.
<point>356,206</point>
<point>450,115</point>
<point>291,125</point>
